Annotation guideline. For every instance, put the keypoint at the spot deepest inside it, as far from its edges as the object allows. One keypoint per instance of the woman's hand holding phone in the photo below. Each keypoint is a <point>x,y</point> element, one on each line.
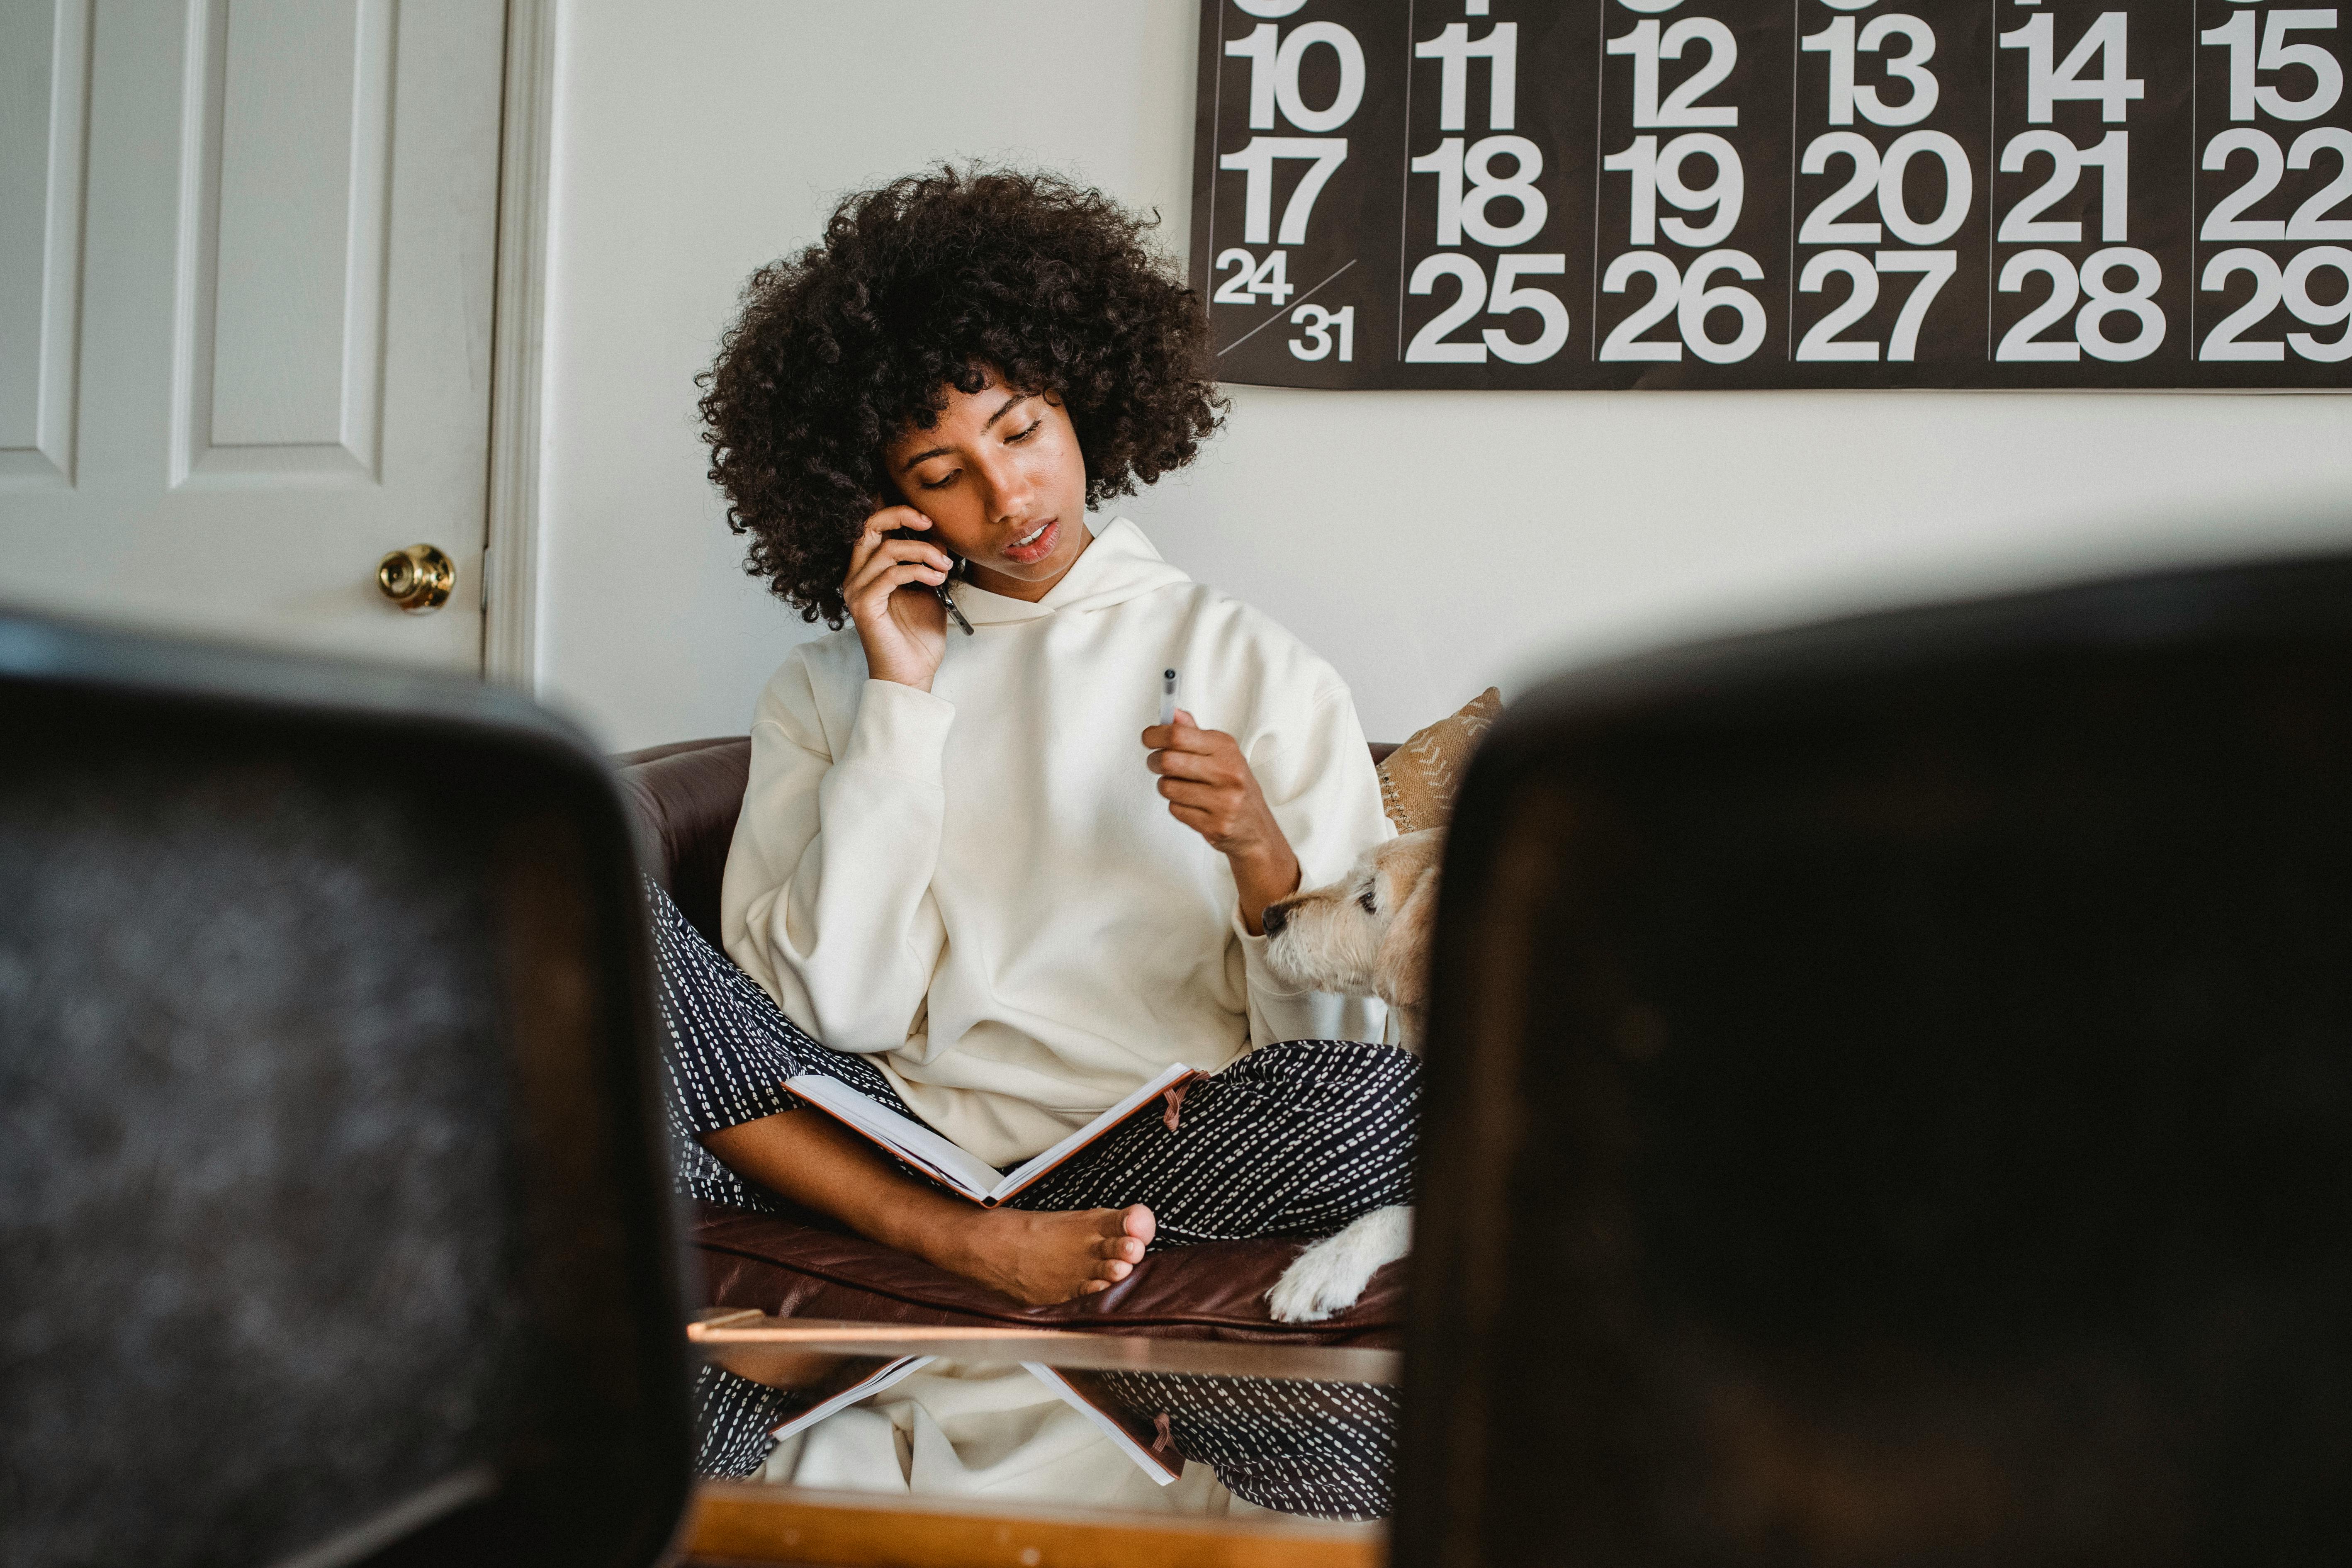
<point>1209,789</point>
<point>891,592</point>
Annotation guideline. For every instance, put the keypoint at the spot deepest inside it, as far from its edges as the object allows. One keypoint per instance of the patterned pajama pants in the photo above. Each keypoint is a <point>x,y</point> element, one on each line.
<point>1297,1139</point>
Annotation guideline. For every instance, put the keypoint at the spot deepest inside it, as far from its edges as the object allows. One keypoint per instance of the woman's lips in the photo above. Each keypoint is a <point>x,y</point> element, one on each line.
<point>1036,549</point>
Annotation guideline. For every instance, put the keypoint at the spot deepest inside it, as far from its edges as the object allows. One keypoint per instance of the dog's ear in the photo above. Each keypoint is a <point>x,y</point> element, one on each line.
<point>1401,971</point>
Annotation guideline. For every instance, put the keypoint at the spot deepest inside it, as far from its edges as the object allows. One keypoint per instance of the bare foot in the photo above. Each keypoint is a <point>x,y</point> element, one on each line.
<point>1042,1257</point>
<point>1037,1257</point>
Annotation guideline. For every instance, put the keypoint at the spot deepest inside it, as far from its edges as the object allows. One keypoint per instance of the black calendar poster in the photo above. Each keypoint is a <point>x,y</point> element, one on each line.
<point>1775,193</point>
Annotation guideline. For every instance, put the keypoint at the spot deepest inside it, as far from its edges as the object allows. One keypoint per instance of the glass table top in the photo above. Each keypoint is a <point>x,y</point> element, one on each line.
<point>1184,1426</point>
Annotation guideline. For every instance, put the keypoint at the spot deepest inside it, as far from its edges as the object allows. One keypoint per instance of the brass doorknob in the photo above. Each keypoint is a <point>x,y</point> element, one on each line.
<point>418,579</point>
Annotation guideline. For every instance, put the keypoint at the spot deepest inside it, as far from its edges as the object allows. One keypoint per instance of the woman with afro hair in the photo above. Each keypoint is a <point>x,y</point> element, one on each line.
<point>970,861</point>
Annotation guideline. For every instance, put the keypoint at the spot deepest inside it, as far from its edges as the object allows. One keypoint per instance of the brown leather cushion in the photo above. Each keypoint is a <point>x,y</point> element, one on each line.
<point>806,1268</point>
<point>687,796</point>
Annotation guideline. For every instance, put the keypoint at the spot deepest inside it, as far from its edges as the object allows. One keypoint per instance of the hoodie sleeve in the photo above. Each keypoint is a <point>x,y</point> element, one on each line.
<point>827,899</point>
<point>1319,779</point>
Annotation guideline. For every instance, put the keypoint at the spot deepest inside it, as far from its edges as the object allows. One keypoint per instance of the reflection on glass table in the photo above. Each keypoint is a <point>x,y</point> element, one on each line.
<point>1094,1420</point>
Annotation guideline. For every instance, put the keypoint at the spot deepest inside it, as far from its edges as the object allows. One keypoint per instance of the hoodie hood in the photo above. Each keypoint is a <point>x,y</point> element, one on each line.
<point>1120,566</point>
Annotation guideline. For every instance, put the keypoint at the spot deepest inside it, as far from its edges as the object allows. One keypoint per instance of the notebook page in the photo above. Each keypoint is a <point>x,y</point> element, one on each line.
<point>864,1388</point>
<point>879,1122</point>
<point>1161,1469</point>
<point>1030,1170</point>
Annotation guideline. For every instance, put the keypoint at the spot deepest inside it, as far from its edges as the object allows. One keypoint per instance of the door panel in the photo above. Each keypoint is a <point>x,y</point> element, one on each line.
<point>43,105</point>
<point>289,230</point>
<point>281,258</point>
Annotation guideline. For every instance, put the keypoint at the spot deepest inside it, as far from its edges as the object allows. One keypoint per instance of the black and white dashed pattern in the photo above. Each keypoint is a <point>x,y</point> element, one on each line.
<point>727,1050</point>
<point>1297,1139</point>
<point>1323,1449</point>
<point>1328,1449</point>
<point>735,1420</point>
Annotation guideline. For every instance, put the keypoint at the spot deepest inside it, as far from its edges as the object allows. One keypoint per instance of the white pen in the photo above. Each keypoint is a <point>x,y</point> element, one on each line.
<point>1167,697</point>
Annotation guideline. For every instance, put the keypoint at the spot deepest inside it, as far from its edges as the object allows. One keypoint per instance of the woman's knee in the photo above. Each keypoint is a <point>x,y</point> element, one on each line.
<point>1364,1079</point>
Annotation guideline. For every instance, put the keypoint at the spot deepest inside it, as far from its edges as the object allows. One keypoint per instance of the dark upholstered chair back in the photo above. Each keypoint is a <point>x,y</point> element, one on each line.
<point>1890,1097</point>
<point>334,1209</point>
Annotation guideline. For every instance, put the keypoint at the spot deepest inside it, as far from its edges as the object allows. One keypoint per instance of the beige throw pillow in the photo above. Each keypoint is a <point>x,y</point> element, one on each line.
<point>1419,778</point>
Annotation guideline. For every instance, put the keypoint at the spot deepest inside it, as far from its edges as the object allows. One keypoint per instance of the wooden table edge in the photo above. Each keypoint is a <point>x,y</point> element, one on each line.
<point>747,1523</point>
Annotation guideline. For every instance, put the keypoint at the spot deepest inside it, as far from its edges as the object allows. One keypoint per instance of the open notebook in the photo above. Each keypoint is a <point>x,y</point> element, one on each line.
<point>862,1377</point>
<point>1153,1451</point>
<point>858,1378</point>
<point>967,1172</point>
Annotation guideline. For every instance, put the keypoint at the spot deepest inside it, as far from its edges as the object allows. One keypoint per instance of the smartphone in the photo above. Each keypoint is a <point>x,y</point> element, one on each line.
<point>955,570</point>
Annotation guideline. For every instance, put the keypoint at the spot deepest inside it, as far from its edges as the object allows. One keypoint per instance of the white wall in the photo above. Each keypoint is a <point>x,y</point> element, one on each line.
<point>1427,543</point>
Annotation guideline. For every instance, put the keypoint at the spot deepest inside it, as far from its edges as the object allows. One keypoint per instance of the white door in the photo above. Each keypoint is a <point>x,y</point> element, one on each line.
<point>245,268</point>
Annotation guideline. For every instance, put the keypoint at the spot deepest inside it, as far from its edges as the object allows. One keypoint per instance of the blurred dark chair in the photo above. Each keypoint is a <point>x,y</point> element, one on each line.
<point>1890,1098</point>
<point>335,1215</point>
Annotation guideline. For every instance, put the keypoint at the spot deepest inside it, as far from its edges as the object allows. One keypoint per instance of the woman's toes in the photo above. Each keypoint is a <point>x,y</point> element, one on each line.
<point>1091,1286</point>
<point>1140,1222</point>
<point>1115,1269</point>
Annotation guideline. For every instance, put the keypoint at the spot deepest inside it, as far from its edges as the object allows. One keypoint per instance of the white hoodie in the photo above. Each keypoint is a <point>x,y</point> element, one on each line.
<point>981,884</point>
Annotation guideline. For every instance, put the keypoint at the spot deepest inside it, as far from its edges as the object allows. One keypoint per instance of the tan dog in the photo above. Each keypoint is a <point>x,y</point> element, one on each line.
<point>1367,934</point>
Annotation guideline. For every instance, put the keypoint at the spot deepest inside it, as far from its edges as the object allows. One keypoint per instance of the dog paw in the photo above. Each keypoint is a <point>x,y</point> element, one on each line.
<point>1331,1274</point>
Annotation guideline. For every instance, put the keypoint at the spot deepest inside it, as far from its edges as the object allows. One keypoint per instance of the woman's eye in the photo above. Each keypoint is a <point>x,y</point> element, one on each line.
<point>1025,435</point>
<point>1372,906</point>
<point>940,484</point>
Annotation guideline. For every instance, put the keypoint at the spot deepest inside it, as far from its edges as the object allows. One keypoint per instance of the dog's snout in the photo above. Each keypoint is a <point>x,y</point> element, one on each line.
<point>1277,916</point>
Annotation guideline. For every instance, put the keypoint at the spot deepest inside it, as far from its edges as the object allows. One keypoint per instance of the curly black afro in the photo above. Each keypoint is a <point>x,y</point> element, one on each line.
<point>928,282</point>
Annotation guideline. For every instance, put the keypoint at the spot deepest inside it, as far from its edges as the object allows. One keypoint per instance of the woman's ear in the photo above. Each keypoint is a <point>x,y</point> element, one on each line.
<point>1401,971</point>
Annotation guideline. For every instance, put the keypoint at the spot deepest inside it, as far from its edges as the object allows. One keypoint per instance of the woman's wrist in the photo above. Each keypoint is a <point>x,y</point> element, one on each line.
<point>891,665</point>
<point>1263,875</point>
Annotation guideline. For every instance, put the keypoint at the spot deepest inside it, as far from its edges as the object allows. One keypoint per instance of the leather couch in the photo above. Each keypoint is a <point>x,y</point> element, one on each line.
<point>687,796</point>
